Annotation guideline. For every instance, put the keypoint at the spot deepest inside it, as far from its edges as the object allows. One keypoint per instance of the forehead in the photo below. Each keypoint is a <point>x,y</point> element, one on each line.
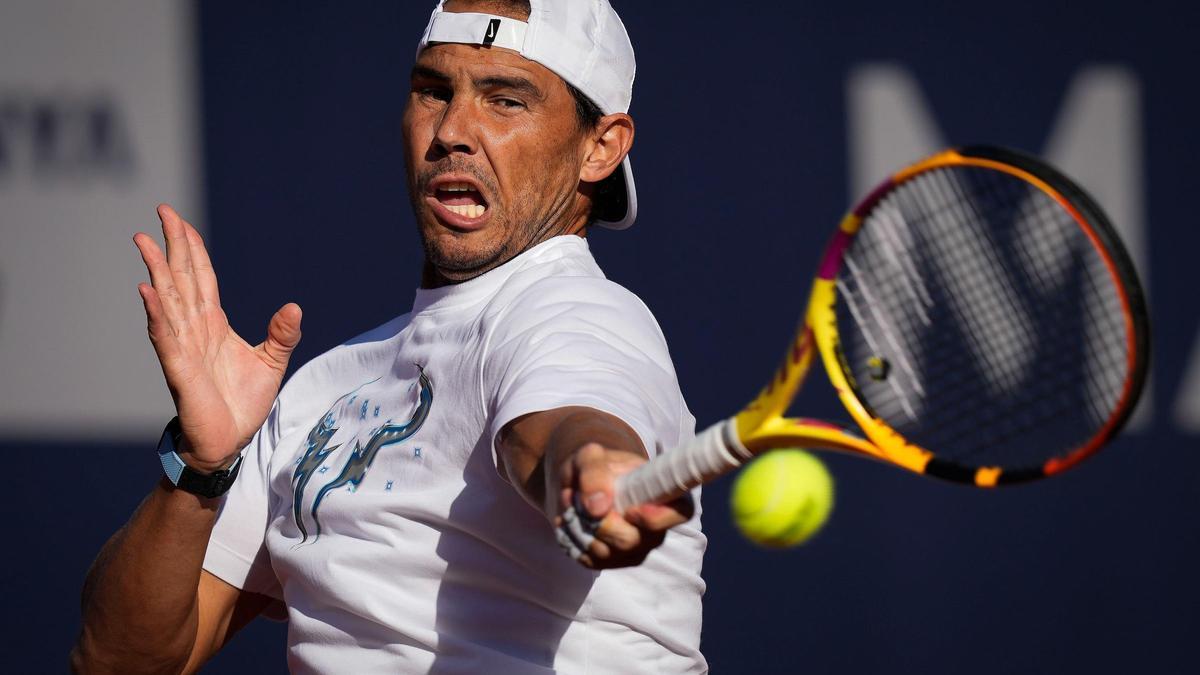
<point>453,59</point>
<point>513,9</point>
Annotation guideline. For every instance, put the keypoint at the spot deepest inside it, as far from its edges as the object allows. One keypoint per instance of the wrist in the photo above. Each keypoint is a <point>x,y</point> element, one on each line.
<point>183,475</point>
<point>184,449</point>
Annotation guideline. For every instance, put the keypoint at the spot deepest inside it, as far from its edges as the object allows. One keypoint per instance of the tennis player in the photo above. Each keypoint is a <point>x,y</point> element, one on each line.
<point>399,501</point>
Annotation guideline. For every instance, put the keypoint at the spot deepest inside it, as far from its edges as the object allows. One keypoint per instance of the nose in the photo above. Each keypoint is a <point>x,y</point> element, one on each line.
<point>455,129</point>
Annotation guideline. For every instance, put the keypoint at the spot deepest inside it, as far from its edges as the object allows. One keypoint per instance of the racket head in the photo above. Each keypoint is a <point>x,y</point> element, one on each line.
<point>980,320</point>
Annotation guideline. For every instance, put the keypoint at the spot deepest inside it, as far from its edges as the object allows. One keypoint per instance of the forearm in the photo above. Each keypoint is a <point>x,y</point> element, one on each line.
<point>568,458</point>
<point>533,448</point>
<point>140,609</point>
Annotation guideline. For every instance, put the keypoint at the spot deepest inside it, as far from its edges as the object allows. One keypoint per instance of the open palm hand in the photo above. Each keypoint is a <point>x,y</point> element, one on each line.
<point>223,387</point>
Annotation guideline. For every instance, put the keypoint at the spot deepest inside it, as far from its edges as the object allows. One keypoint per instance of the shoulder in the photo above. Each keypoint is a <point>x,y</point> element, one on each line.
<point>565,292</point>
<point>564,276</point>
<point>584,308</point>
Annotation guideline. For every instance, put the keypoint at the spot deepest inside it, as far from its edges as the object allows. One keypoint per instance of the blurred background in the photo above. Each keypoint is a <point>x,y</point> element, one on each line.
<point>275,127</point>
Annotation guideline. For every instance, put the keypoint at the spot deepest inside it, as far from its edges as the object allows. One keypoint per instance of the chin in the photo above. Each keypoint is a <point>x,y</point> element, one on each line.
<point>462,255</point>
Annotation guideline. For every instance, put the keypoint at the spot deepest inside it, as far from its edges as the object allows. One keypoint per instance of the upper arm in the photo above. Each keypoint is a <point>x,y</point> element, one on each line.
<point>580,342</point>
<point>222,610</point>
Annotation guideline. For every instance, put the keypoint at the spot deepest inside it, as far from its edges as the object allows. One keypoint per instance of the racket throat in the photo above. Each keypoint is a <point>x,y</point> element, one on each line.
<point>773,401</point>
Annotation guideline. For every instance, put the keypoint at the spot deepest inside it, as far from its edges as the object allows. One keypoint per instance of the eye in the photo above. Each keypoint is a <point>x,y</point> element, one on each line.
<point>509,103</point>
<point>434,93</point>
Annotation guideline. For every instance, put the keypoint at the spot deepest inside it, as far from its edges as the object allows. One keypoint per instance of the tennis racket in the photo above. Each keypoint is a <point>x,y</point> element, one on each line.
<point>979,319</point>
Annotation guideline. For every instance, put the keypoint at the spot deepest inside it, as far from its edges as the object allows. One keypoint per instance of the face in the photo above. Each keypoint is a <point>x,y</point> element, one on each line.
<point>494,155</point>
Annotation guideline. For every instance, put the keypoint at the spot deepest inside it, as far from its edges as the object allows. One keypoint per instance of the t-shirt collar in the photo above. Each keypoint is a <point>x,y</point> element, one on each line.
<point>429,300</point>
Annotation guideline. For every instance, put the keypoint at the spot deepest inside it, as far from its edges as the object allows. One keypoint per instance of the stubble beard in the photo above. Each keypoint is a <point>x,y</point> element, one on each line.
<point>454,264</point>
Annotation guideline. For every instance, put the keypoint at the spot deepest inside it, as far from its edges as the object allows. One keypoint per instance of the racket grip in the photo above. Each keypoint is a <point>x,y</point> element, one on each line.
<point>713,452</point>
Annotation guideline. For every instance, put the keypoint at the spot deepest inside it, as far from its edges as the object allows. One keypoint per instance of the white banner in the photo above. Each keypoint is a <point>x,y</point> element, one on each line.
<point>98,124</point>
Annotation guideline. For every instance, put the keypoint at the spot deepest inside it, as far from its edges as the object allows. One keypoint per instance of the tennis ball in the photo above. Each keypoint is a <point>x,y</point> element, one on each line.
<point>782,498</point>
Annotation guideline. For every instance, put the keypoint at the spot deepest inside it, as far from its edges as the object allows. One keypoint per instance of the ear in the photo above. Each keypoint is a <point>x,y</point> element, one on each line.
<point>607,147</point>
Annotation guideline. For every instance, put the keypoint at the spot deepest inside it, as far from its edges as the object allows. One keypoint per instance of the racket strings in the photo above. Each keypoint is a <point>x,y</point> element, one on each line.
<point>1039,264</point>
<point>1009,297</point>
<point>1045,208</point>
<point>1000,326</point>
<point>938,340</point>
<point>1050,384</point>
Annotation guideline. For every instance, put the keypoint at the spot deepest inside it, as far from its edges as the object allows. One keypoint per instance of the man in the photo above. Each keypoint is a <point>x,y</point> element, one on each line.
<point>397,500</point>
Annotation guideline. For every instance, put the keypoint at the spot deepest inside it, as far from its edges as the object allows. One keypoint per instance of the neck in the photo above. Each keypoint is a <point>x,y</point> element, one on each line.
<point>576,223</point>
<point>433,276</point>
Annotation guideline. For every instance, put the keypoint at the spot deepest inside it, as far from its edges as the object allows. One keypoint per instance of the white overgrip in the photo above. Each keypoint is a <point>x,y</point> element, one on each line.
<point>713,452</point>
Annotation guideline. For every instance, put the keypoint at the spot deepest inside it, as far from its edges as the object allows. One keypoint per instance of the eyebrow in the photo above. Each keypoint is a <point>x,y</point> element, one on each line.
<point>428,73</point>
<point>518,84</point>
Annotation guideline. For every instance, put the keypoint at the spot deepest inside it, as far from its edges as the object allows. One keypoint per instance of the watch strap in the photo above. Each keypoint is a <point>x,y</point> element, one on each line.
<point>185,477</point>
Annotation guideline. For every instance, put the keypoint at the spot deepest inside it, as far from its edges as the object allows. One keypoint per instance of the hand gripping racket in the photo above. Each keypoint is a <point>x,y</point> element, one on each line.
<point>977,316</point>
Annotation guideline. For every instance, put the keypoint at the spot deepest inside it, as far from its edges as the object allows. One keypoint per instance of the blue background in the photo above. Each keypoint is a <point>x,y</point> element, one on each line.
<point>741,162</point>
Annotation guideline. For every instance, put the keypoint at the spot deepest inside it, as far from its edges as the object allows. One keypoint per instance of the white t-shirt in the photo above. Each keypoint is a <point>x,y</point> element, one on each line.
<point>370,503</point>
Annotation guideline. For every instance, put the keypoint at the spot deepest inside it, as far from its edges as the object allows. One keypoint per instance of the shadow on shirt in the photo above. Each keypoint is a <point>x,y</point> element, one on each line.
<point>509,593</point>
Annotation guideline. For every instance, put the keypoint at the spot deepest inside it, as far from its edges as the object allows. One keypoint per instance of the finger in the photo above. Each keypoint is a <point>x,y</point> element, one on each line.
<point>620,544</point>
<point>626,539</point>
<point>615,541</point>
<point>570,536</point>
<point>206,276</point>
<point>578,527</point>
<point>160,277</point>
<point>616,533</point>
<point>662,517</point>
<point>595,480</point>
<point>166,345</point>
<point>179,256</point>
<point>283,334</point>
<point>568,543</point>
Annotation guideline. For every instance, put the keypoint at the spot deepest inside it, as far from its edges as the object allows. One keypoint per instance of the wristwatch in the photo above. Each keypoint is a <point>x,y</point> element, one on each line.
<point>185,477</point>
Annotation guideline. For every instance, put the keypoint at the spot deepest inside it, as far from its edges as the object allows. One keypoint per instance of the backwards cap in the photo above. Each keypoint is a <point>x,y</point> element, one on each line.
<point>583,42</point>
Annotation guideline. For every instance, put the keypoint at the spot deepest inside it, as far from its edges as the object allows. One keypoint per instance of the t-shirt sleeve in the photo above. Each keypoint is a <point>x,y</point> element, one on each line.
<point>237,551</point>
<point>583,342</point>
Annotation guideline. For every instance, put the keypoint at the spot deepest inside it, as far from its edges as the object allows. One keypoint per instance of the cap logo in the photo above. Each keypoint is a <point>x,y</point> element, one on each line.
<point>492,30</point>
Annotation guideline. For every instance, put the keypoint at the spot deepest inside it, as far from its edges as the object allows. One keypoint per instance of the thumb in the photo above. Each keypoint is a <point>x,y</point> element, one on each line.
<point>595,480</point>
<point>283,334</point>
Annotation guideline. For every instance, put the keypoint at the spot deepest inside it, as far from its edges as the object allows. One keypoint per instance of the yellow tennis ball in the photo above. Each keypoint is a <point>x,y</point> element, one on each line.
<point>782,498</point>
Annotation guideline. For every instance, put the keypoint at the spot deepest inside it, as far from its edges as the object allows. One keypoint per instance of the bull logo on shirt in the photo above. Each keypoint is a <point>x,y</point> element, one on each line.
<point>355,469</point>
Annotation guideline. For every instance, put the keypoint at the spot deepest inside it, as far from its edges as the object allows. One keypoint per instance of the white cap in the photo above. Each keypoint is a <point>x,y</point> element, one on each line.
<point>582,41</point>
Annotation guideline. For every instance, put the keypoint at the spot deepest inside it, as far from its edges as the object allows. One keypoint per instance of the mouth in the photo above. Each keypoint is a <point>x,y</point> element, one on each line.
<point>458,201</point>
